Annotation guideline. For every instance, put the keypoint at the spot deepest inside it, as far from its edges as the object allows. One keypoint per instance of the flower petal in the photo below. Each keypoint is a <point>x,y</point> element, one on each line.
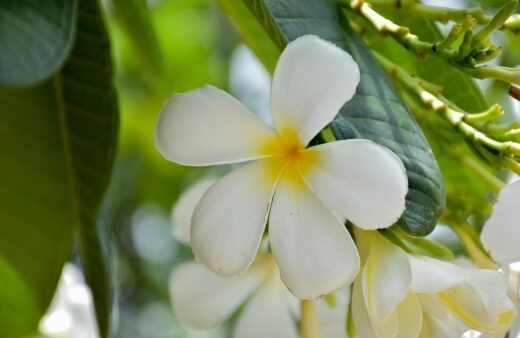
<point>410,317</point>
<point>203,300</point>
<point>314,250</point>
<point>431,275</point>
<point>387,276</point>
<point>387,329</point>
<point>333,317</point>
<point>228,223</point>
<point>433,305</point>
<point>312,81</point>
<point>208,126</point>
<point>360,314</point>
<point>502,230</point>
<point>481,301</point>
<point>359,179</point>
<point>183,209</point>
<point>269,313</point>
<point>442,327</point>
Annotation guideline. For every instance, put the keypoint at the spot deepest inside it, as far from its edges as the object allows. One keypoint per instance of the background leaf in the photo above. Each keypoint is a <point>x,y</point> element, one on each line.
<point>376,112</point>
<point>252,33</point>
<point>133,17</point>
<point>35,38</point>
<point>57,143</point>
<point>465,190</point>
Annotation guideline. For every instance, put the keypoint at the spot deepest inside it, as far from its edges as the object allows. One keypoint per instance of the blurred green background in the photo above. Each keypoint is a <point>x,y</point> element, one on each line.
<point>191,43</point>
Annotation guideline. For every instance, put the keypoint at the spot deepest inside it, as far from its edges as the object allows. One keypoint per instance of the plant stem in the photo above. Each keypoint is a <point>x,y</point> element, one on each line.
<point>309,325</point>
<point>493,182</point>
<point>487,146</point>
<point>475,48</point>
<point>442,14</point>
<point>470,240</point>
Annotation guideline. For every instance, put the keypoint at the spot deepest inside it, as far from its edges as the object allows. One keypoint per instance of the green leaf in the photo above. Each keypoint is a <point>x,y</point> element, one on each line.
<point>494,3</point>
<point>417,245</point>
<point>450,149</point>
<point>456,86</point>
<point>252,33</point>
<point>35,38</point>
<point>376,112</point>
<point>134,18</point>
<point>57,143</point>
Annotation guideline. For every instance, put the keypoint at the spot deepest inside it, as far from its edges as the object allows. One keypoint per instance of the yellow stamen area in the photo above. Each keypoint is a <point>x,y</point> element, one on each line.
<point>290,137</point>
<point>287,154</point>
<point>295,163</point>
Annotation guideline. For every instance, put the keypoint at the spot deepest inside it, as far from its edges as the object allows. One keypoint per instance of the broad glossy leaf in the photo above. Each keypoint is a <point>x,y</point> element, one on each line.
<point>35,38</point>
<point>466,191</point>
<point>376,112</point>
<point>57,143</point>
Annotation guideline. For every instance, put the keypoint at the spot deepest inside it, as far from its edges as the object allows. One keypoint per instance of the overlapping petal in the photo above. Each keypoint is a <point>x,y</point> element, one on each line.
<point>441,327</point>
<point>404,322</point>
<point>333,317</point>
<point>431,275</point>
<point>501,232</point>
<point>387,276</point>
<point>312,81</point>
<point>410,317</point>
<point>360,314</point>
<point>269,313</point>
<point>228,223</point>
<point>203,300</point>
<point>314,250</point>
<point>207,126</point>
<point>183,209</point>
<point>360,180</point>
<point>481,301</point>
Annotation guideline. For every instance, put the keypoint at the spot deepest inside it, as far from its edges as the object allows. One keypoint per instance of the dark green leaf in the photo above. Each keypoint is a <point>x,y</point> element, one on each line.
<point>376,112</point>
<point>35,38</point>
<point>450,149</point>
<point>57,143</point>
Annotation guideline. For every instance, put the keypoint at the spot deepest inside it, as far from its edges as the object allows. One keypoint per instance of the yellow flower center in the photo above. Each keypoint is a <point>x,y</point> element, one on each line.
<point>293,153</point>
<point>288,154</point>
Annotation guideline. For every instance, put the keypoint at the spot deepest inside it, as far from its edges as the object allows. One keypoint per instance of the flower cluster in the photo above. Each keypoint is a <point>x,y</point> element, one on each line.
<point>406,295</point>
<point>272,232</point>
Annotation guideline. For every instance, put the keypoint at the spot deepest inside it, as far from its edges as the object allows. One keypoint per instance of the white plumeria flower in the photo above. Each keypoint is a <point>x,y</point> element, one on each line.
<point>217,297</point>
<point>501,233</point>
<point>303,192</point>
<point>182,210</point>
<point>500,237</point>
<point>406,295</point>
<point>203,300</point>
